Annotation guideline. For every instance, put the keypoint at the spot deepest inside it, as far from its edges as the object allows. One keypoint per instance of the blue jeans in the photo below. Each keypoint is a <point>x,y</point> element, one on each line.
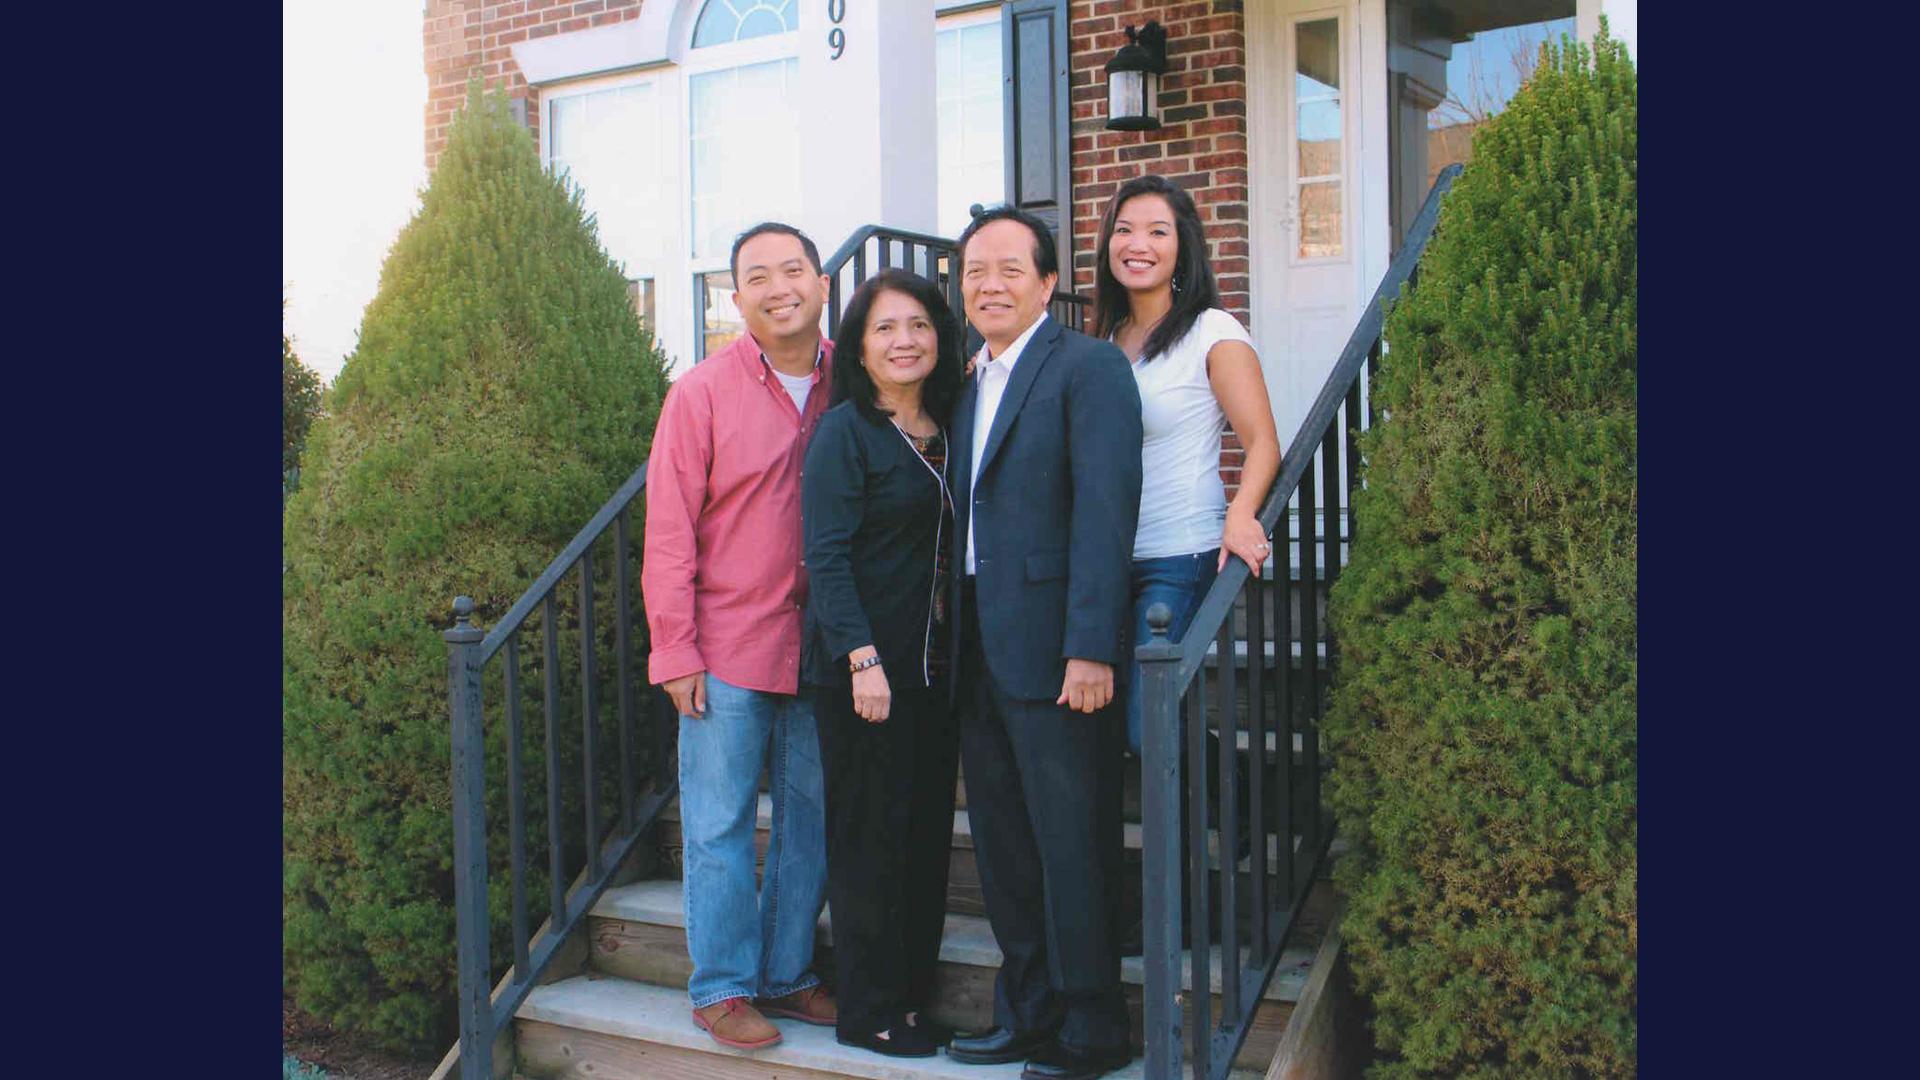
<point>1178,581</point>
<point>743,945</point>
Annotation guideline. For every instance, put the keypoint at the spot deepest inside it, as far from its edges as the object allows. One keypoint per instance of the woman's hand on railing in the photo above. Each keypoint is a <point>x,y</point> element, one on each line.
<point>872,697</point>
<point>689,694</point>
<point>1244,537</point>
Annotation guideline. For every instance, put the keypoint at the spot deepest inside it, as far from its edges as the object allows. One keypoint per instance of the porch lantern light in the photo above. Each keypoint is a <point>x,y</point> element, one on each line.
<point>1133,79</point>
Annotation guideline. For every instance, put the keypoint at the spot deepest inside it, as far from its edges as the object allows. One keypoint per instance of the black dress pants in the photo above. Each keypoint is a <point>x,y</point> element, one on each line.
<point>1043,795</point>
<point>889,837</point>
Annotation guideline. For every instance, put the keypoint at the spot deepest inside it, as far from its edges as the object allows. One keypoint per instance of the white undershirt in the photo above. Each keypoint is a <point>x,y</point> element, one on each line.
<point>1183,504</point>
<point>798,387</point>
<point>992,375</point>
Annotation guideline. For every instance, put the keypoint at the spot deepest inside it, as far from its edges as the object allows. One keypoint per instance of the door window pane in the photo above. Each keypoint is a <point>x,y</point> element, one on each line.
<point>971,137</point>
<point>1320,219</point>
<point>1318,130</point>
<point>746,151</point>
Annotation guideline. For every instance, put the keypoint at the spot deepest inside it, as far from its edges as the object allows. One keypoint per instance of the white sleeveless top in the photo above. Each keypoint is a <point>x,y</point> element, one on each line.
<point>1183,504</point>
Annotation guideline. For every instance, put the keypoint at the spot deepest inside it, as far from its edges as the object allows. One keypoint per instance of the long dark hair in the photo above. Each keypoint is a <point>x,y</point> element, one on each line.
<point>1194,290</point>
<point>850,379</point>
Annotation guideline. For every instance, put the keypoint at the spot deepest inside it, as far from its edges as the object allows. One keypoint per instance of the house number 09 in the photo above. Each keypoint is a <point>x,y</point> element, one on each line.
<point>836,37</point>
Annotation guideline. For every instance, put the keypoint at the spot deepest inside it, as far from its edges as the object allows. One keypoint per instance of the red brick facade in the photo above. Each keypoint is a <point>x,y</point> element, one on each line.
<point>463,38</point>
<point>1201,144</point>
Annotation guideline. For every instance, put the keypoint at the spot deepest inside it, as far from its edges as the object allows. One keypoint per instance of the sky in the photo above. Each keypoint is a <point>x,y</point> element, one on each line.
<point>353,99</point>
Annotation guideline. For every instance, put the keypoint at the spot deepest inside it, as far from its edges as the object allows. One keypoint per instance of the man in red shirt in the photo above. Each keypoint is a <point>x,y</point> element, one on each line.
<point>725,593</point>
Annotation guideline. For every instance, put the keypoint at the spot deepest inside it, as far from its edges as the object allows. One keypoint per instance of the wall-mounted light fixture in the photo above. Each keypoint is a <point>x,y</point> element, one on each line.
<point>1133,79</point>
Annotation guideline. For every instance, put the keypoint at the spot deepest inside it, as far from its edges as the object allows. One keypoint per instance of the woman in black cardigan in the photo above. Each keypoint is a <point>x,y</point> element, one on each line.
<point>878,520</point>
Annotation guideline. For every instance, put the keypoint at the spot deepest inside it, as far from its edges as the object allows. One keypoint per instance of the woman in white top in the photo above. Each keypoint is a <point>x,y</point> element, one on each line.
<point>1155,297</point>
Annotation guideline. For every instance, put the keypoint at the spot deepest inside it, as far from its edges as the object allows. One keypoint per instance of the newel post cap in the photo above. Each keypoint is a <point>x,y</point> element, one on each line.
<point>463,632</point>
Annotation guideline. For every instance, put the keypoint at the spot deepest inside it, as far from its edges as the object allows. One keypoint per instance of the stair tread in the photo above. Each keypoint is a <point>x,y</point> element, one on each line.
<point>624,1008</point>
<point>966,939</point>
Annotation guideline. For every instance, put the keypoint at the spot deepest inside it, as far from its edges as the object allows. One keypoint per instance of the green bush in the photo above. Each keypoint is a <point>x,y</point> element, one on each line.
<point>1482,729</point>
<point>300,405</point>
<point>500,391</point>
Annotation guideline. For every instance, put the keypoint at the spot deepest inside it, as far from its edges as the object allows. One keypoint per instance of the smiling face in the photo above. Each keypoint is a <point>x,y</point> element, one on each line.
<point>1145,246</point>
<point>1004,293</point>
<point>900,346</point>
<point>777,290</point>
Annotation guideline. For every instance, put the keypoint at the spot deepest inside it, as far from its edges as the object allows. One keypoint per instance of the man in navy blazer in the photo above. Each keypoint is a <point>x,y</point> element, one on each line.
<point>1046,452</point>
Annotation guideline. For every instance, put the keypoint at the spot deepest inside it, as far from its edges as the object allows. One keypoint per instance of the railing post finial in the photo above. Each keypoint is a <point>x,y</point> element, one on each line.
<point>463,632</point>
<point>1159,621</point>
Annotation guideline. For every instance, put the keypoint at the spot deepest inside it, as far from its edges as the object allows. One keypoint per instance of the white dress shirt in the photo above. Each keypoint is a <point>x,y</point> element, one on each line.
<point>991,375</point>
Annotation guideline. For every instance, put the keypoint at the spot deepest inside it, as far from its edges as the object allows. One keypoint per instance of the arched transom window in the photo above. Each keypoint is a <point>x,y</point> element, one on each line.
<point>737,20</point>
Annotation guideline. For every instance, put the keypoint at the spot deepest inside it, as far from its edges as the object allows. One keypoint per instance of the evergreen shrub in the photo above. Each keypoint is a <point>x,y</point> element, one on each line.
<point>500,391</point>
<point>300,404</point>
<point>1482,728</point>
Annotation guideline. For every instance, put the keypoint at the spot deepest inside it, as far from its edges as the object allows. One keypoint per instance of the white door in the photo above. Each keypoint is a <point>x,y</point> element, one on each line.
<point>1313,237</point>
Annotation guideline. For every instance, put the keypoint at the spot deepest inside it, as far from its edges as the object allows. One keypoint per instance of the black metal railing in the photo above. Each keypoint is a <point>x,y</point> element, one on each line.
<point>602,845</point>
<point>1269,692</point>
<point>873,248</point>
<point>482,1017</point>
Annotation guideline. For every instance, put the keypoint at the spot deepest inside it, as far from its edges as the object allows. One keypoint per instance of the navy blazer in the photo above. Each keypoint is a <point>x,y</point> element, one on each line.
<point>1053,511</point>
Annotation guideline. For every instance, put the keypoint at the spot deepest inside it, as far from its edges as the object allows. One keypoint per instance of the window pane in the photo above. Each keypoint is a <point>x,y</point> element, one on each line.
<point>566,122</point>
<point>1319,138</point>
<point>971,140</point>
<point>760,23</point>
<point>717,24</point>
<point>1317,58</point>
<point>640,295</point>
<point>721,322</point>
<point>746,151</point>
<point>599,141</point>
<point>980,54</point>
<point>722,21</point>
<point>1320,233</point>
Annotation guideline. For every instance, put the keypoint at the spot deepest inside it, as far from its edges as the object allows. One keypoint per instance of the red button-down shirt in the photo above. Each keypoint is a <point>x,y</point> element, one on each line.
<point>723,578</point>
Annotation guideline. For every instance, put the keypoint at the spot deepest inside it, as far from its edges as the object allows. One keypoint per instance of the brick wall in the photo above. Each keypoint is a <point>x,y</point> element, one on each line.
<point>463,38</point>
<point>1201,143</point>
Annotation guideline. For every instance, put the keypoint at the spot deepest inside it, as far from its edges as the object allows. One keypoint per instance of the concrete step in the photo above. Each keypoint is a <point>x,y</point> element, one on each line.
<point>638,932</point>
<point>609,1028</point>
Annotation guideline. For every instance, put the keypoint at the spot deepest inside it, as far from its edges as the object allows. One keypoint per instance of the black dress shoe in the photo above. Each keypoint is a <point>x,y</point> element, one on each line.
<point>1057,1062</point>
<point>997,1046</point>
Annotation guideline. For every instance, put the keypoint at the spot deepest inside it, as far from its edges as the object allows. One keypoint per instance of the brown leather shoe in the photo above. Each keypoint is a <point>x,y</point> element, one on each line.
<point>810,1006</point>
<point>736,1023</point>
